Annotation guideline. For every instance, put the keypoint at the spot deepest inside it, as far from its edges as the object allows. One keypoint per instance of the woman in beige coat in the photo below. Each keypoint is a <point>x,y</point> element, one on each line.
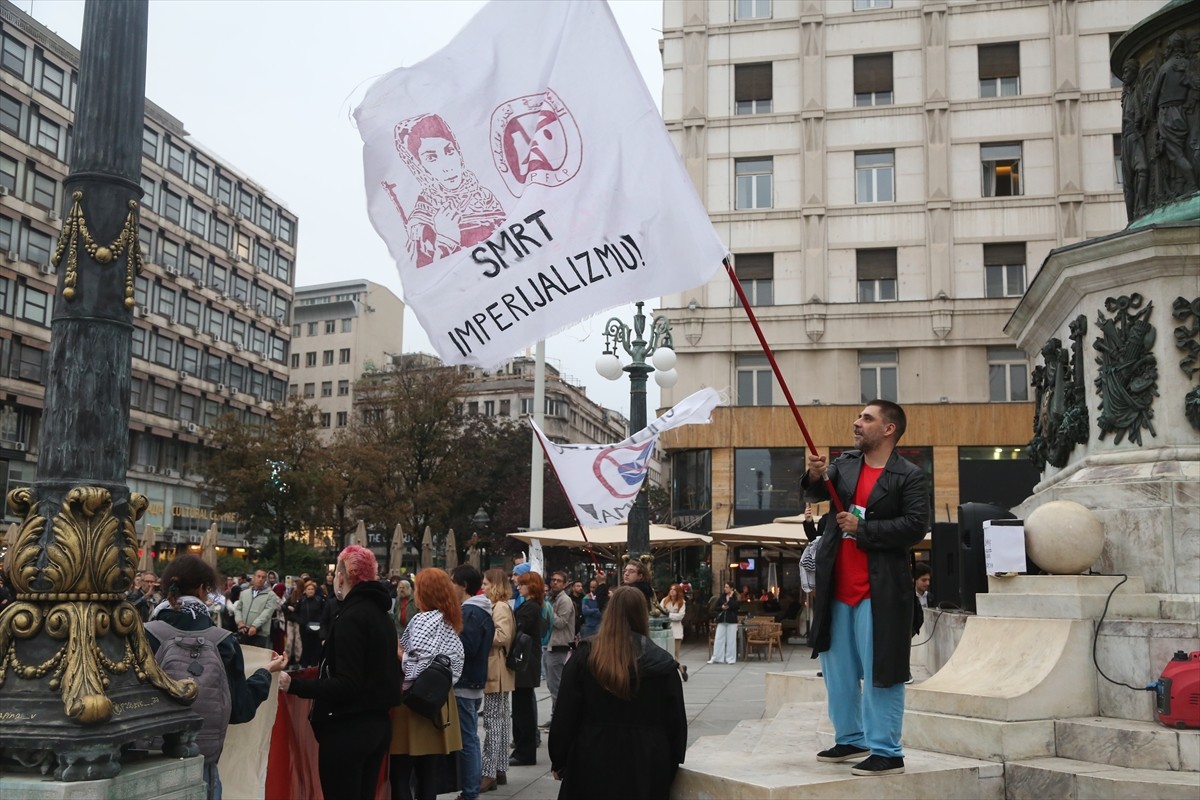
<point>497,721</point>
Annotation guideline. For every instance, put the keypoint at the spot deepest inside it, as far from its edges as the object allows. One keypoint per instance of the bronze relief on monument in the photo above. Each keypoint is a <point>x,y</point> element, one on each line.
<point>1060,418</point>
<point>1187,339</point>
<point>1127,375</point>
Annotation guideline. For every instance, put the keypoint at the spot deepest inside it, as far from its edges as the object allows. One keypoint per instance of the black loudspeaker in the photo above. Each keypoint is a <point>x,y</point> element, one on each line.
<point>943,563</point>
<point>972,567</point>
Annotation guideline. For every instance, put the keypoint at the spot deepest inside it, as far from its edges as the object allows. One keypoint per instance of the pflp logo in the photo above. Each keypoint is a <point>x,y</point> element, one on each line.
<point>622,470</point>
<point>534,139</point>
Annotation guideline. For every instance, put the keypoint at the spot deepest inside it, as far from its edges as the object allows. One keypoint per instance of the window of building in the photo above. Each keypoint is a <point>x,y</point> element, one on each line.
<point>526,405</point>
<point>198,221</point>
<point>506,408</point>
<point>756,273</point>
<point>752,89</point>
<point>1000,69</point>
<point>753,176</point>
<point>149,192</point>
<point>175,158</point>
<point>877,375</point>
<point>1001,169</point>
<point>10,115</point>
<point>347,325</point>
<point>691,484</point>
<point>245,203</point>
<point>330,326</point>
<point>34,306</point>
<point>53,80</point>
<point>767,483</point>
<point>218,280</point>
<point>216,323</point>
<point>754,380</point>
<point>876,270</point>
<point>310,391</point>
<point>1008,375</point>
<point>312,329</point>
<point>200,175</point>
<point>326,388</point>
<point>150,143</point>
<point>489,408</point>
<point>286,227</point>
<point>753,9</point>
<point>342,419</point>
<point>1118,176</point>
<point>170,253</point>
<point>166,302</point>
<point>191,312</point>
<point>164,350</point>
<point>224,190</point>
<point>310,359</point>
<point>193,262</point>
<point>266,216</point>
<point>220,233</point>
<point>871,5</point>
<point>344,355</point>
<point>44,190</point>
<point>12,57</point>
<point>161,400</point>
<point>325,419</point>
<point>343,388</point>
<point>296,330</point>
<point>241,287</point>
<point>1004,269</point>
<point>1115,81</point>
<point>8,173</point>
<point>873,80</point>
<point>6,245</point>
<point>283,268</point>
<point>295,361</point>
<point>172,207</point>
<point>327,358</point>
<point>37,246</point>
<point>874,177</point>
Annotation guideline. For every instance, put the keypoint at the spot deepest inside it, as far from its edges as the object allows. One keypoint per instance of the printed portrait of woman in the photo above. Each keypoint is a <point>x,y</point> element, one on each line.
<point>453,210</point>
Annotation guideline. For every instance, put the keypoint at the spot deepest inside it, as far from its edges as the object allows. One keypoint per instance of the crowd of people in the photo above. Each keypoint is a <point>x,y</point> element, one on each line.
<point>487,641</point>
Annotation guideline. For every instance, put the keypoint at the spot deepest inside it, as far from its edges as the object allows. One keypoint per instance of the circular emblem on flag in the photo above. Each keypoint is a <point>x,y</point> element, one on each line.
<point>534,139</point>
<point>621,471</point>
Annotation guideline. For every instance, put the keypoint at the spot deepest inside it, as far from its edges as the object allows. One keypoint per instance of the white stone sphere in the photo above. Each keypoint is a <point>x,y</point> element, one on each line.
<point>1063,537</point>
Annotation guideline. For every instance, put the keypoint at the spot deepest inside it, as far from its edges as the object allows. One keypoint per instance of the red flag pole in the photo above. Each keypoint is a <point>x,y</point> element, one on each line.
<point>563,489</point>
<point>762,340</point>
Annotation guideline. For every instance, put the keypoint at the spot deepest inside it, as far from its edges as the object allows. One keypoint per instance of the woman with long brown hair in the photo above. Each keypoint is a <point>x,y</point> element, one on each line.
<point>524,704</point>
<point>416,742</point>
<point>497,722</point>
<point>620,702</point>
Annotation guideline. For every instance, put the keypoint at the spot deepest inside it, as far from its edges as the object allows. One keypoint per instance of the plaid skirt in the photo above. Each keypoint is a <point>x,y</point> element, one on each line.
<point>415,735</point>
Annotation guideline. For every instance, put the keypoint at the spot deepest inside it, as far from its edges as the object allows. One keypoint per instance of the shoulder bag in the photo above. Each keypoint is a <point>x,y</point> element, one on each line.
<point>430,691</point>
<point>520,652</point>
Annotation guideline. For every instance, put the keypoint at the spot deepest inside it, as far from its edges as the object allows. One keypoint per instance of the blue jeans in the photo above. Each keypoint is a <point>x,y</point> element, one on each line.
<point>862,715</point>
<point>470,764</point>
<point>213,782</point>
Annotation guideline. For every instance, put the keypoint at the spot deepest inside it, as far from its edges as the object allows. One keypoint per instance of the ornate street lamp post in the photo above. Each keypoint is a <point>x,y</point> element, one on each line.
<point>658,349</point>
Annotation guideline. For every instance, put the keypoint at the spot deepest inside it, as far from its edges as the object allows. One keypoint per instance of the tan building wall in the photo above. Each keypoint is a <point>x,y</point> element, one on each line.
<point>939,211</point>
<point>339,331</point>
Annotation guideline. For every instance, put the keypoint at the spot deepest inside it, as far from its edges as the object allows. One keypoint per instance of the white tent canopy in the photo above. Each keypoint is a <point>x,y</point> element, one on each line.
<point>611,538</point>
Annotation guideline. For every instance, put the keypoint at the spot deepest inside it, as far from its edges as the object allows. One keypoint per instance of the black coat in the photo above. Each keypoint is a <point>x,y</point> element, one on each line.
<point>605,747</point>
<point>529,622</point>
<point>897,518</point>
<point>360,670</point>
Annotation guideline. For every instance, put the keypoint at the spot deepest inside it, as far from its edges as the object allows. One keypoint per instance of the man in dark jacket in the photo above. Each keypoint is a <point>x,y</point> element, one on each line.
<point>359,683</point>
<point>477,633</point>
<point>864,592</point>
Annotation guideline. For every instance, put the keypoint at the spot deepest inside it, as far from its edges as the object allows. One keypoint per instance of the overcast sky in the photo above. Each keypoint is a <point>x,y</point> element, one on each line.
<point>269,86</point>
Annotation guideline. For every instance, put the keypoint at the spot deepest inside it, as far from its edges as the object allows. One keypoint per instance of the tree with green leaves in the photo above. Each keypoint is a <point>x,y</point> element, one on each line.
<point>275,477</point>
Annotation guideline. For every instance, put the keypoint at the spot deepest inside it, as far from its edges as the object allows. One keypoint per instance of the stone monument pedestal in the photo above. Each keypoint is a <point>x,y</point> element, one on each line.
<point>160,778</point>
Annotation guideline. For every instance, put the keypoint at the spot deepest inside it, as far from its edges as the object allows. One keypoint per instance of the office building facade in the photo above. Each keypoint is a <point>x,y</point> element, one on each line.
<point>212,304</point>
<point>889,175</point>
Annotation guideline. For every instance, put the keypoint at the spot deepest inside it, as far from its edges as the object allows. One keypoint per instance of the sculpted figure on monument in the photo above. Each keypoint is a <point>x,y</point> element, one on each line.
<point>1135,167</point>
<point>1187,339</point>
<point>1127,379</point>
<point>1060,413</point>
<point>1173,96</point>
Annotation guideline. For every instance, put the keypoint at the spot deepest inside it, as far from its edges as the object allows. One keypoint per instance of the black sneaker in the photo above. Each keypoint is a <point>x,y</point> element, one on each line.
<point>842,752</point>
<point>879,765</point>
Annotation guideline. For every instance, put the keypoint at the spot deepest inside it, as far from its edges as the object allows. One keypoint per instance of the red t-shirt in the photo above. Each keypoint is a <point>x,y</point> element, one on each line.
<point>851,584</point>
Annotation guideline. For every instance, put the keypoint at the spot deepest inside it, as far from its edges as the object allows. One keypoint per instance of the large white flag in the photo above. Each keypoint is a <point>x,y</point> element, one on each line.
<point>601,481</point>
<point>523,180</point>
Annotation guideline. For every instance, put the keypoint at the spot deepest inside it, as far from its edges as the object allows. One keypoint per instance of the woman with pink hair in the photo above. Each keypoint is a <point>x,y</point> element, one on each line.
<point>358,684</point>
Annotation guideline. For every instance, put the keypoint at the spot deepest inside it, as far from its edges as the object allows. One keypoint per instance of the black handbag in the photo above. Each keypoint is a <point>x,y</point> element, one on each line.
<point>430,691</point>
<point>518,655</point>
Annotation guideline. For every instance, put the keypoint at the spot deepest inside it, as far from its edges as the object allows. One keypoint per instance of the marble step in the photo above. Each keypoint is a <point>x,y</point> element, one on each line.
<point>1042,778</point>
<point>798,686</point>
<point>1067,597</point>
<point>1128,743</point>
<point>783,766</point>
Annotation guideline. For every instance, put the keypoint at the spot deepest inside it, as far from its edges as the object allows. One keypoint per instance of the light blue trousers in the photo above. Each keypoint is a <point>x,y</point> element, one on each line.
<point>862,715</point>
